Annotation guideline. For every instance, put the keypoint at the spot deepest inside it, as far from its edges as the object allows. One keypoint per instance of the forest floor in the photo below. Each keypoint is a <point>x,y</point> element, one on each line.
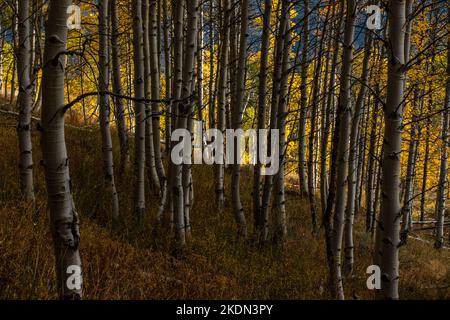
<point>128,264</point>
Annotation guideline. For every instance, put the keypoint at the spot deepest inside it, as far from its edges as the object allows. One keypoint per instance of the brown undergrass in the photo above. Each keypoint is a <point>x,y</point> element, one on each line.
<point>127,264</point>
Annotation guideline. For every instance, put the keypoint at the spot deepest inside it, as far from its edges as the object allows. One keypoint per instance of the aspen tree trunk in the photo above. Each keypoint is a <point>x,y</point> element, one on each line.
<point>325,117</point>
<point>167,71</point>
<point>184,109</point>
<point>211,93</point>
<point>25,103</point>
<point>440,200</point>
<point>237,121</point>
<point>149,143</point>
<point>279,197</point>
<point>200,59</point>
<point>155,95</point>
<point>117,88</point>
<point>221,99</point>
<point>330,111</point>
<point>107,150</point>
<point>409,183</point>
<point>139,111</point>
<point>63,216</point>
<point>371,169</point>
<point>425,169</point>
<point>352,161</point>
<point>2,43</point>
<point>390,202</point>
<point>344,112</point>
<point>262,90</point>
<point>177,81</point>
<point>276,85</point>
<point>303,108</point>
<point>314,105</point>
<point>15,31</point>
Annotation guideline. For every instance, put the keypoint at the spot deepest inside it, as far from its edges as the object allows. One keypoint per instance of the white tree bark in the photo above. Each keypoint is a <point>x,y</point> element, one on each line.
<point>390,189</point>
<point>63,217</point>
<point>221,98</point>
<point>352,163</point>
<point>237,114</point>
<point>440,201</point>
<point>105,112</point>
<point>139,110</point>
<point>344,112</point>
<point>25,102</point>
<point>117,87</point>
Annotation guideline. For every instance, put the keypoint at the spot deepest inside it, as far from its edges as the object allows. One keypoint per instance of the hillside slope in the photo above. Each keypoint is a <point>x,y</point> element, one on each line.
<point>126,263</point>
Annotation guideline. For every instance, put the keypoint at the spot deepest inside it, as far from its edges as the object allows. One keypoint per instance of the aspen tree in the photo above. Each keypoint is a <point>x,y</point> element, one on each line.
<point>25,102</point>
<point>64,223</point>
<point>139,110</point>
<point>237,121</point>
<point>344,112</point>
<point>390,187</point>
<point>221,99</point>
<point>107,149</point>
<point>119,113</point>
<point>262,91</point>
<point>352,163</point>
<point>440,199</point>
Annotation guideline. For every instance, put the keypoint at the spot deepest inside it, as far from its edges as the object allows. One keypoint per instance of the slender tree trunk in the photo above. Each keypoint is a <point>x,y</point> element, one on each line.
<point>63,216</point>
<point>262,90</point>
<point>221,99</point>
<point>184,110</point>
<point>139,111</point>
<point>303,108</point>
<point>344,112</point>
<point>107,148</point>
<point>276,86</point>
<point>237,121</point>
<point>155,95</point>
<point>352,170</point>
<point>25,103</point>
<point>440,199</point>
<point>390,202</point>
<point>211,93</point>
<point>167,71</point>
<point>117,88</point>
<point>279,197</point>
<point>371,168</point>
<point>149,142</point>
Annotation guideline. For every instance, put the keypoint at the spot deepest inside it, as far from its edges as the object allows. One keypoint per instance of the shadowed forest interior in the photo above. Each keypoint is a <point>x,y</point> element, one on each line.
<point>106,106</point>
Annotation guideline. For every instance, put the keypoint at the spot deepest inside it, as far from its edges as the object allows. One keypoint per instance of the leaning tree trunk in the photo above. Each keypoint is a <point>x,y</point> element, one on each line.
<point>107,148</point>
<point>390,189</point>
<point>440,206</point>
<point>117,87</point>
<point>344,112</point>
<point>63,217</point>
<point>25,102</point>
<point>139,110</point>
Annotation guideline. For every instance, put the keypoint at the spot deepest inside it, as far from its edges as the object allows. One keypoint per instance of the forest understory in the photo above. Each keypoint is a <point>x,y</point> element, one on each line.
<point>125,263</point>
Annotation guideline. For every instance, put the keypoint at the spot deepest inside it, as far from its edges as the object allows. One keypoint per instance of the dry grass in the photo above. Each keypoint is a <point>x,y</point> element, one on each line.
<point>128,264</point>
